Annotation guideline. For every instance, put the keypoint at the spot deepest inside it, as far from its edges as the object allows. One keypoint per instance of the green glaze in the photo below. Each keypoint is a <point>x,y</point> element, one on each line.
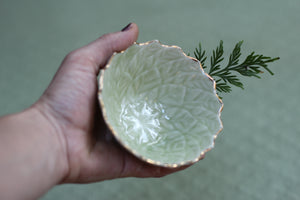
<point>160,104</point>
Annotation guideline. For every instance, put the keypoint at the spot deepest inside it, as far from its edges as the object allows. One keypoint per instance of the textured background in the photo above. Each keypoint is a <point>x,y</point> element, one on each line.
<point>256,155</point>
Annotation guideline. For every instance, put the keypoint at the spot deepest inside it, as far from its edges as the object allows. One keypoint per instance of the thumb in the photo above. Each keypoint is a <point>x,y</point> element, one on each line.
<point>75,80</point>
<point>99,51</point>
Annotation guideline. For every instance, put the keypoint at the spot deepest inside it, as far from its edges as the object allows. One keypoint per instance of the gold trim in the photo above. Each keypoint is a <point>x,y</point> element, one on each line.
<point>173,165</point>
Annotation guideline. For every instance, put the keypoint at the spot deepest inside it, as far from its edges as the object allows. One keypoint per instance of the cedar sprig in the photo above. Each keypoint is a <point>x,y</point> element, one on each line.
<point>226,76</point>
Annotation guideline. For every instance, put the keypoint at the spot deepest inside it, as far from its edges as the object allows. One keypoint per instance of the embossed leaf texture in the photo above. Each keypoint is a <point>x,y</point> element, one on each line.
<point>160,104</point>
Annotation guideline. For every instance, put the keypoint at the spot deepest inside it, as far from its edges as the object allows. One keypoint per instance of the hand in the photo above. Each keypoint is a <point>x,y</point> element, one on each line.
<point>71,106</point>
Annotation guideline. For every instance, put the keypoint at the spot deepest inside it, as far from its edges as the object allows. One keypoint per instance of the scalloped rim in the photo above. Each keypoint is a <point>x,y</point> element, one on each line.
<point>150,161</point>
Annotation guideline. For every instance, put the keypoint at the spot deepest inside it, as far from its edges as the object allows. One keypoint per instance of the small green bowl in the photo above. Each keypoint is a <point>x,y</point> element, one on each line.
<point>160,104</point>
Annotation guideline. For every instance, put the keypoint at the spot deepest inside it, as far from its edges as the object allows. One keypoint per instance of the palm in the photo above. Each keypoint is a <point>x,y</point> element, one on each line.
<point>74,102</point>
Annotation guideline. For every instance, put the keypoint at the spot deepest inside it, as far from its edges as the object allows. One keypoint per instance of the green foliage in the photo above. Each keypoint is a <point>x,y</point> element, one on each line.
<point>225,76</point>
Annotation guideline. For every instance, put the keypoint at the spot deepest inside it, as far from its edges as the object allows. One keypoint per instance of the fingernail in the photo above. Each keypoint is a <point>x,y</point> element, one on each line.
<point>126,28</point>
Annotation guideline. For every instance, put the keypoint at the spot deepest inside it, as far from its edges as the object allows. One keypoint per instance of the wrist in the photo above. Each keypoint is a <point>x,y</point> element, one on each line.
<point>53,139</point>
<point>32,155</point>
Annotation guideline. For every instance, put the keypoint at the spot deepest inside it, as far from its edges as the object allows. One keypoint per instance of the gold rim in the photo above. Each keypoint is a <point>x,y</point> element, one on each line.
<point>153,162</point>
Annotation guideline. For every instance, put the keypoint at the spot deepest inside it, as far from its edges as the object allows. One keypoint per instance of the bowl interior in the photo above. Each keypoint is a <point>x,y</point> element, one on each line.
<point>160,104</point>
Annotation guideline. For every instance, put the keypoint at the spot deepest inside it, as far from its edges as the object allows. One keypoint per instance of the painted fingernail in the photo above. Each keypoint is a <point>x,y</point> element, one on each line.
<point>126,28</point>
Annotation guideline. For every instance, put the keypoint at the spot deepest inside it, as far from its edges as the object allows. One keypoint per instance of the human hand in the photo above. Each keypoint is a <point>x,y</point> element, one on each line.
<point>71,106</point>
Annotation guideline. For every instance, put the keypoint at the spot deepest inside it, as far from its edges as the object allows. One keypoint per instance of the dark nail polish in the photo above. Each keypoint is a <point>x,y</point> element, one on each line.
<point>126,28</point>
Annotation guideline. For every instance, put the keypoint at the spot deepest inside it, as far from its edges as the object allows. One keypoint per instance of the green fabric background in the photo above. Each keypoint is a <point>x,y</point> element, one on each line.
<point>256,155</point>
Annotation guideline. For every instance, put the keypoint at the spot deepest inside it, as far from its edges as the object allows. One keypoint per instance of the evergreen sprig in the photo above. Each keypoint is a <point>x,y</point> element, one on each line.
<point>228,75</point>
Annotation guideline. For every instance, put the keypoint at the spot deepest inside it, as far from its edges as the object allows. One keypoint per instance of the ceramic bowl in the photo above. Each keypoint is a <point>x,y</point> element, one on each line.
<point>160,104</point>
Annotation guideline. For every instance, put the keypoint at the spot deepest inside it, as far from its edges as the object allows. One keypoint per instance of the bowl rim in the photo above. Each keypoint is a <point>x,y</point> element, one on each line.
<point>135,153</point>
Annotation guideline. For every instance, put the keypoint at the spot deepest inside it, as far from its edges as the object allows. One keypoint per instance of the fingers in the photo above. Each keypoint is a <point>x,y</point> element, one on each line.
<point>133,167</point>
<point>99,51</point>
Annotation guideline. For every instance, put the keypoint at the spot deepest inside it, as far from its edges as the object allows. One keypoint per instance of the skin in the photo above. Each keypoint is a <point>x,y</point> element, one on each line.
<point>62,138</point>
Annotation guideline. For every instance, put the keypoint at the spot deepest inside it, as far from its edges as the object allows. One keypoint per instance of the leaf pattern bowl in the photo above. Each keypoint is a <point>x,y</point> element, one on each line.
<point>160,104</point>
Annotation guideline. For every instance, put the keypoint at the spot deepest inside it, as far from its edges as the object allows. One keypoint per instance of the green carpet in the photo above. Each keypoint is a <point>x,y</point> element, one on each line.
<point>256,155</point>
